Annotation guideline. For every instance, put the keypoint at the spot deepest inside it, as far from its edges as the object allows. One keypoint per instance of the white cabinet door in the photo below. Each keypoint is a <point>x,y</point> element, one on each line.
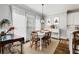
<point>76,18</point>
<point>55,33</point>
<point>70,19</point>
<point>73,18</point>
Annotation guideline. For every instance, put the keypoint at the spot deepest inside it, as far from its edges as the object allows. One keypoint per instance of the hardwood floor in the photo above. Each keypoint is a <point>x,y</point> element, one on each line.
<point>62,47</point>
<point>56,47</point>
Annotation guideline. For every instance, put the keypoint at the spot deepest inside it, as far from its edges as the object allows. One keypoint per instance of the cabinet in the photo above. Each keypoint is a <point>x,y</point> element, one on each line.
<point>55,33</point>
<point>73,18</point>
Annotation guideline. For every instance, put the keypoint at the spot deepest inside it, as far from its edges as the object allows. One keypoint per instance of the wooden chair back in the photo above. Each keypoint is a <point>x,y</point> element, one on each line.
<point>34,35</point>
<point>76,37</point>
<point>75,41</point>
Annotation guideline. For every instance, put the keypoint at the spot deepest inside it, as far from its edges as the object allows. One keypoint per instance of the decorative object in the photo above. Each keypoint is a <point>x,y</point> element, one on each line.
<point>53,26</point>
<point>56,20</point>
<point>48,21</point>
<point>10,29</point>
<point>2,33</point>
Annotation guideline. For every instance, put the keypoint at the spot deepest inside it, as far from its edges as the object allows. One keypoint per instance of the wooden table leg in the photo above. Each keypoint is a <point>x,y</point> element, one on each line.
<point>21,48</point>
<point>22,42</point>
<point>2,50</point>
<point>40,44</point>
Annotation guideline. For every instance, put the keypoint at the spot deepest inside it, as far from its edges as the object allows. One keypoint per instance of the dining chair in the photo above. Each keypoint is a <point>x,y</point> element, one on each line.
<point>49,37</point>
<point>46,39</point>
<point>75,42</point>
<point>35,40</point>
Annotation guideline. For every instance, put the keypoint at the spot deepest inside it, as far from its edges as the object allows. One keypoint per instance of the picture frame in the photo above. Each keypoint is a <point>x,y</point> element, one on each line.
<point>56,20</point>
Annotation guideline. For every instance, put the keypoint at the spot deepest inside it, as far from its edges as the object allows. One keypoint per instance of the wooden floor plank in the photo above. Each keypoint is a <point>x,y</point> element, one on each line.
<point>62,48</point>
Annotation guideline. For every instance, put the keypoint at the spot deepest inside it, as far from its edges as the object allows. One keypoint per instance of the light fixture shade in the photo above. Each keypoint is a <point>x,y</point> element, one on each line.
<point>42,21</point>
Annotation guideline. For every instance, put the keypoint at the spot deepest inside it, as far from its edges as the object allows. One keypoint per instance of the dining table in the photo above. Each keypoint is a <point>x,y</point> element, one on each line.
<point>10,38</point>
<point>40,35</point>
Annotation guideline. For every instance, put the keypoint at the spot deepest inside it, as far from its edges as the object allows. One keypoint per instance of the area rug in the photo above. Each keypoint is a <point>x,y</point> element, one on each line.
<point>49,50</point>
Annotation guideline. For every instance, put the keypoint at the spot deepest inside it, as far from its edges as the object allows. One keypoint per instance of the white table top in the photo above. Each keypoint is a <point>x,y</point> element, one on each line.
<point>41,34</point>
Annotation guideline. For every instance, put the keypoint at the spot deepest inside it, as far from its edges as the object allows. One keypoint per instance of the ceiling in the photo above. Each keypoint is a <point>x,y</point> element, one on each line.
<point>49,9</point>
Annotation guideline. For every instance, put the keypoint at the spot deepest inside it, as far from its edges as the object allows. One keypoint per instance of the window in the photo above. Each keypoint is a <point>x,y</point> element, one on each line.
<point>19,21</point>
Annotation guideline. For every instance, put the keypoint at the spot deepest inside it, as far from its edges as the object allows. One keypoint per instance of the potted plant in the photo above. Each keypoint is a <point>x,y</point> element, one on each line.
<point>3,22</point>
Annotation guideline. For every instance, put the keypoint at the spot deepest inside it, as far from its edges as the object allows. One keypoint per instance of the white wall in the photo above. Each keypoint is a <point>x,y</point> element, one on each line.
<point>5,11</point>
<point>62,22</point>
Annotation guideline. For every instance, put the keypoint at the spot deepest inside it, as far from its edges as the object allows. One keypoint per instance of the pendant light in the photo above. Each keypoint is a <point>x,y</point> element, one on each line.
<point>42,19</point>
